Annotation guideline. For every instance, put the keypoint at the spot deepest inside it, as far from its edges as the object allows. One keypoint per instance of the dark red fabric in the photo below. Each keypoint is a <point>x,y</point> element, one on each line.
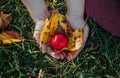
<point>106,14</point>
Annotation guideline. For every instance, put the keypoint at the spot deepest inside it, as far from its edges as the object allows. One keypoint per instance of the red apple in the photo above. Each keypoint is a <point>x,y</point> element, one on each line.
<point>58,41</point>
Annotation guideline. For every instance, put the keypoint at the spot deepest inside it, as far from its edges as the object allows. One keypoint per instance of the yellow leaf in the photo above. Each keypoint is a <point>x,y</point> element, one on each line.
<point>9,37</point>
<point>75,40</point>
<point>61,17</point>
<point>44,34</point>
<point>49,28</point>
<point>54,23</point>
<point>64,26</point>
<point>78,43</point>
<point>76,33</point>
<point>9,41</point>
<point>44,37</point>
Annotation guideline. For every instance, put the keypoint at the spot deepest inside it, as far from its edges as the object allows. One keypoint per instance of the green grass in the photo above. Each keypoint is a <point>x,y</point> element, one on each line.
<point>99,59</point>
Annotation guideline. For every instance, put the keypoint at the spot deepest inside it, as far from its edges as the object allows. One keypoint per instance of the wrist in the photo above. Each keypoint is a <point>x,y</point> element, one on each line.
<point>75,7</point>
<point>37,9</point>
<point>39,24</point>
<point>75,21</point>
<point>42,15</point>
<point>70,15</point>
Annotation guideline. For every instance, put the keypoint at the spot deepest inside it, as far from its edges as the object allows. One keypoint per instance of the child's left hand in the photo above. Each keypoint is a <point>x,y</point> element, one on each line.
<point>77,22</point>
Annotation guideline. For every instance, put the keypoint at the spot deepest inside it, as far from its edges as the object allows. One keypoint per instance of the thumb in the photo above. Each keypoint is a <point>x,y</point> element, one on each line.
<point>85,36</point>
<point>38,27</point>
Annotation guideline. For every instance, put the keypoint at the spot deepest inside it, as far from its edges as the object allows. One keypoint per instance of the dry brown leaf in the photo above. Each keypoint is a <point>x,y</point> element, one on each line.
<point>9,37</point>
<point>4,20</point>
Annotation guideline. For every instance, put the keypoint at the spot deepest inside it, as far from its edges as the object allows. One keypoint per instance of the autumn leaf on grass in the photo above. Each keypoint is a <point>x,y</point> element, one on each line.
<point>9,37</point>
<point>4,20</point>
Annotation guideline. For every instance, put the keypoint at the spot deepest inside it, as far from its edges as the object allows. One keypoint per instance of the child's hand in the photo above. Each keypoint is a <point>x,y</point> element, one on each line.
<point>77,22</point>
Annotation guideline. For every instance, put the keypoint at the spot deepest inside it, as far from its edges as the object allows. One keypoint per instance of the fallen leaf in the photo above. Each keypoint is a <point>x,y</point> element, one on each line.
<point>53,23</point>
<point>44,34</point>
<point>4,20</point>
<point>49,28</point>
<point>9,37</point>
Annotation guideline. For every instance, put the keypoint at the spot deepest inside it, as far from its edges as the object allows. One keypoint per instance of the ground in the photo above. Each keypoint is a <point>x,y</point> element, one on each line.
<point>100,58</point>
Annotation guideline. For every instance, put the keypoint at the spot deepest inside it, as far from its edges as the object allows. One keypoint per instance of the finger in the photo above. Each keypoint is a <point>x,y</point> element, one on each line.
<point>43,48</point>
<point>57,56</point>
<point>62,55</point>
<point>39,25</point>
<point>37,30</point>
<point>36,36</point>
<point>52,53</point>
<point>85,36</point>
